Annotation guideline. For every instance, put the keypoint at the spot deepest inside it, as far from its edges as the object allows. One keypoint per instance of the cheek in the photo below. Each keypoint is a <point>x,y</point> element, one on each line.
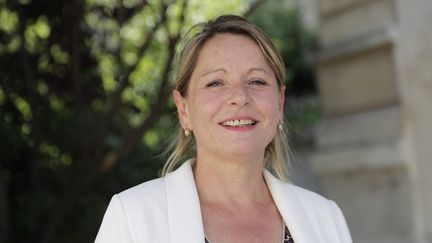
<point>204,107</point>
<point>269,103</point>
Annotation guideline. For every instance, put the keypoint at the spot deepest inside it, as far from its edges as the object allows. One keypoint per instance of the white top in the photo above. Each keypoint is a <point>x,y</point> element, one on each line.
<point>167,210</point>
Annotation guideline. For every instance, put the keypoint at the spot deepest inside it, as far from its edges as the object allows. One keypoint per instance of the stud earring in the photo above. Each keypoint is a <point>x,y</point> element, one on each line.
<point>280,127</point>
<point>186,132</point>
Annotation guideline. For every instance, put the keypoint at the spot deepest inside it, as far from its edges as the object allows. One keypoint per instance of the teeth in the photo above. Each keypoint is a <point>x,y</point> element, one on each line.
<point>238,123</point>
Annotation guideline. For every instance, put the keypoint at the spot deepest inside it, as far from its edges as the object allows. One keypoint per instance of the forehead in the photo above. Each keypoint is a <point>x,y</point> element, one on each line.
<point>229,39</point>
<point>229,50</point>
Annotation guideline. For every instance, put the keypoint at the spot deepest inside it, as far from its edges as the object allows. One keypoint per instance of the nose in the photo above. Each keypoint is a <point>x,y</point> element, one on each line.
<point>239,95</point>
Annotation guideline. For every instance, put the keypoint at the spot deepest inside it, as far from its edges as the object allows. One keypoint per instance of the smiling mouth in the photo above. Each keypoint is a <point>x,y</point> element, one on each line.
<point>239,123</point>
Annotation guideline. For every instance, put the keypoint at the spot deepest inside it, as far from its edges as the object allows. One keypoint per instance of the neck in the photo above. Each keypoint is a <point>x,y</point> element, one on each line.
<point>231,180</point>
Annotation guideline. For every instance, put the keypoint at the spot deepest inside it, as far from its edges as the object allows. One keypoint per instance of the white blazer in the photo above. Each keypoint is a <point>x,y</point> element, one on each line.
<point>167,210</point>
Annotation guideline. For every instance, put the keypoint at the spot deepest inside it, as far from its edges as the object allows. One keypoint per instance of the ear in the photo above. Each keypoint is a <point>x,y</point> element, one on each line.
<point>182,109</point>
<point>282,101</point>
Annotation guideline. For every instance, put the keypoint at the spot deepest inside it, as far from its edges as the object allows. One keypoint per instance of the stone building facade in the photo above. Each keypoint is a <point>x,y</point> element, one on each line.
<point>373,146</point>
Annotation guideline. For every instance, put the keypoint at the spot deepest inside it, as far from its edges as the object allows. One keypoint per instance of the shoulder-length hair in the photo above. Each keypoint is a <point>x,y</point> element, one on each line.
<point>277,152</point>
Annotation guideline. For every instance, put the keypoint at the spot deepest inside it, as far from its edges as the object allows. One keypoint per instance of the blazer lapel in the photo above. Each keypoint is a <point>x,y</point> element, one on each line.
<point>184,212</point>
<point>293,213</point>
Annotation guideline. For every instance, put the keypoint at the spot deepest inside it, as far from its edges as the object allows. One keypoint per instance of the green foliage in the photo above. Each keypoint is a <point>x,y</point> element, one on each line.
<point>79,95</point>
<point>83,104</point>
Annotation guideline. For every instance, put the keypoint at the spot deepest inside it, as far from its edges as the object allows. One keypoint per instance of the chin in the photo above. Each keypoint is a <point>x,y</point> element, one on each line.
<point>244,151</point>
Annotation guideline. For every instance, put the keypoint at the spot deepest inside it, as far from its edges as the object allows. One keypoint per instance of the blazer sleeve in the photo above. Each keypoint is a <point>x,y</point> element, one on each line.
<point>115,226</point>
<point>340,222</point>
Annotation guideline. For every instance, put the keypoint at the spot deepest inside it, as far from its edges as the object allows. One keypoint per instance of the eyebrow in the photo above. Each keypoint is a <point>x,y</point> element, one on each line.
<point>207,72</point>
<point>254,69</point>
<point>258,69</point>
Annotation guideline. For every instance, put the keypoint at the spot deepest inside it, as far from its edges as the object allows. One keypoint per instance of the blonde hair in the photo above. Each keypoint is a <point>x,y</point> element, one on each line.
<point>277,152</point>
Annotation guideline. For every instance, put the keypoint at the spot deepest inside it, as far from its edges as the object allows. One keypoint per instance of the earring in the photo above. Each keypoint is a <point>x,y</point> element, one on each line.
<point>186,132</point>
<point>280,127</point>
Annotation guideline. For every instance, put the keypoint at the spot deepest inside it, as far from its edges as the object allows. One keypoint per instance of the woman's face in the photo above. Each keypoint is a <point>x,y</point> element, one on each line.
<point>233,103</point>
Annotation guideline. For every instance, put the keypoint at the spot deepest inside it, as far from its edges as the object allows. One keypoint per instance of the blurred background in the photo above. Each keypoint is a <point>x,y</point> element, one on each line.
<point>85,107</point>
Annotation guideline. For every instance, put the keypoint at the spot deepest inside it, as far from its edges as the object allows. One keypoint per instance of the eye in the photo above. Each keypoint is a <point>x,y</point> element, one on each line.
<point>214,83</point>
<point>258,82</point>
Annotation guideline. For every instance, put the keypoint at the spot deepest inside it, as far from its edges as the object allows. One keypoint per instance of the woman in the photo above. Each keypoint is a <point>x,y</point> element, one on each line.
<point>229,95</point>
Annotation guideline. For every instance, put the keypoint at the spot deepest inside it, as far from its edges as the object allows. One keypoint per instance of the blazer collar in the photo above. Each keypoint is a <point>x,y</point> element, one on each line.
<point>291,209</point>
<point>184,211</point>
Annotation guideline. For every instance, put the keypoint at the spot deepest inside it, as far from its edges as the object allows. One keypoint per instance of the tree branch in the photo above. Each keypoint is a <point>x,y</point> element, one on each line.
<point>112,159</point>
<point>124,77</point>
<point>115,103</point>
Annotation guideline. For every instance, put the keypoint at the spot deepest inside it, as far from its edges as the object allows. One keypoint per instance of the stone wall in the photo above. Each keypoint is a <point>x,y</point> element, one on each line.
<point>373,146</point>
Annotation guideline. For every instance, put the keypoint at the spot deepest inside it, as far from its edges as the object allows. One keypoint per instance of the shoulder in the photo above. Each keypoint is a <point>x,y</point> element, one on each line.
<point>140,213</point>
<point>290,194</point>
<point>324,214</point>
<point>150,193</point>
<point>312,201</point>
<point>307,197</point>
<point>156,189</point>
<point>317,206</point>
<point>289,191</point>
<point>309,209</point>
<point>148,190</point>
<point>132,215</point>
